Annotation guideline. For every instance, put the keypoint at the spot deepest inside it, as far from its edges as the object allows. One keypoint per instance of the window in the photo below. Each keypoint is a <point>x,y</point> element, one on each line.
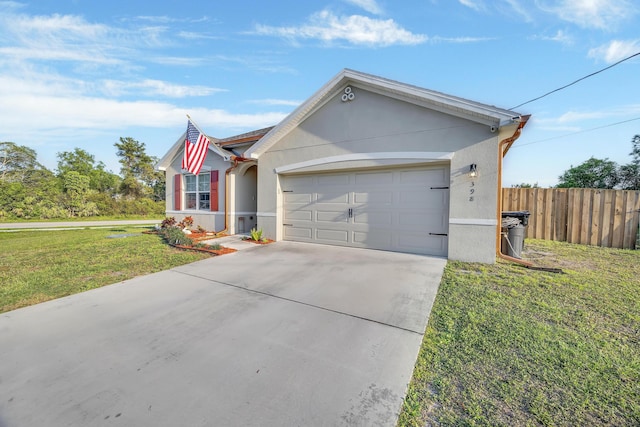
<point>197,191</point>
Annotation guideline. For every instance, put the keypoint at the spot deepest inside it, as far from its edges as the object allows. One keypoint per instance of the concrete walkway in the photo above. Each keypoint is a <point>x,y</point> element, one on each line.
<point>287,334</point>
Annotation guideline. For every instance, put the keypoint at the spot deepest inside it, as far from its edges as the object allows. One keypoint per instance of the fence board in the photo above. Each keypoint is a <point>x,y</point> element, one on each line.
<point>577,215</point>
<point>596,218</point>
<point>607,220</point>
<point>618,221</point>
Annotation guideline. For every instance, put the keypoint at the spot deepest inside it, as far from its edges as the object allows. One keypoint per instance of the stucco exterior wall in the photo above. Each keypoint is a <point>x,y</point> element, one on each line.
<point>373,123</point>
<point>212,221</point>
<point>243,204</point>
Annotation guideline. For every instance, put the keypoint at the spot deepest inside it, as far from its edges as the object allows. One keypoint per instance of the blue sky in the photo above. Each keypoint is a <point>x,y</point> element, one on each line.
<point>82,73</point>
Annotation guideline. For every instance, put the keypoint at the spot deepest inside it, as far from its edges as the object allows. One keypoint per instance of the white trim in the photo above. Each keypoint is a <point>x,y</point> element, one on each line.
<point>267,214</point>
<point>242,213</point>
<point>473,221</point>
<point>461,107</point>
<point>194,212</point>
<point>411,155</point>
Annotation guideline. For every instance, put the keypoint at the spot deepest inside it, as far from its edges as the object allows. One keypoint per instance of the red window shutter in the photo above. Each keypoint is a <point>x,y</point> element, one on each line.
<point>213,195</point>
<point>177,192</point>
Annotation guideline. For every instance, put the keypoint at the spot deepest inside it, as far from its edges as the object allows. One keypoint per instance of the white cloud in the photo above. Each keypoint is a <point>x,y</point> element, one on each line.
<point>66,112</point>
<point>560,36</point>
<point>477,5</point>
<point>274,102</point>
<point>152,87</point>
<point>370,6</point>
<point>615,50</point>
<point>439,39</point>
<point>520,9</point>
<point>354,29</point>
<point>573,117</point>
<point>601,14</point>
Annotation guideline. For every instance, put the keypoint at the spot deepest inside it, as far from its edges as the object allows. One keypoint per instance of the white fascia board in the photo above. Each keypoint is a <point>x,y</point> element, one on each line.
<point>481,112</point>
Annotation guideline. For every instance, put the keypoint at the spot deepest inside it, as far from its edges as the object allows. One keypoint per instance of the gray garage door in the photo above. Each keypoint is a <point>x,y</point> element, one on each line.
<point>402,210</point>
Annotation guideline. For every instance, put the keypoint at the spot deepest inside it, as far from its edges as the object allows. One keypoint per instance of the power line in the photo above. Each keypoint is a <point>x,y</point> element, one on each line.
<point>576,81</point>
<point>576,133</point>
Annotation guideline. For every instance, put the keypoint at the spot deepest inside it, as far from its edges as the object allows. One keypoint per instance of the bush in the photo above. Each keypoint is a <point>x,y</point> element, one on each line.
<point>169,221</point>
<point>175,236</point>
<point>256,234</point>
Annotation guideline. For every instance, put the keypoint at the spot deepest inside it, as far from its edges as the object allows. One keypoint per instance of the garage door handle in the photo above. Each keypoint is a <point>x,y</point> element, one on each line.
<point>350,213</point>
<point>438,234</point>
<point>439,188</point>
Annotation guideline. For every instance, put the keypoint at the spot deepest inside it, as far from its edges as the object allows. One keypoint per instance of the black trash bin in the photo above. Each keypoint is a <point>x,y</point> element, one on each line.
<point>514,224</point>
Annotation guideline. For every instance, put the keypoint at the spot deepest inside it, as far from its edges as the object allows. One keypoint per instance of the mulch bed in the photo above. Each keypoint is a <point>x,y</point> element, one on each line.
<point>221,251</point>
<point>259,242</point>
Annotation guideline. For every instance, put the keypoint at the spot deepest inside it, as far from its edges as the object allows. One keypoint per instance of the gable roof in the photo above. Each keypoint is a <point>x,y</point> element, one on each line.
<point>223,147</point>
<point>471,110</point>
<point>244,138</point>
<point>178,146</point>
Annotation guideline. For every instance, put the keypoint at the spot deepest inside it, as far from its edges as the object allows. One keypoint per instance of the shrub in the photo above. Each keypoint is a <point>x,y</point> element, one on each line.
<point>186,222</point>
<point>175,236</point>
<point>256,234</point>
<point>169,221</point>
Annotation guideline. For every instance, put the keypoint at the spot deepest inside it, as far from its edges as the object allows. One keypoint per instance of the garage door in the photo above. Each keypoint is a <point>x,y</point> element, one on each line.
<point>402,210</point>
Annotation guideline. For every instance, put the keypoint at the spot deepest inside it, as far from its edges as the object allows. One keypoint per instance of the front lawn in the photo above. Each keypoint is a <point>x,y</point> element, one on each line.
<point>508,346</point>
<point>37,266</point>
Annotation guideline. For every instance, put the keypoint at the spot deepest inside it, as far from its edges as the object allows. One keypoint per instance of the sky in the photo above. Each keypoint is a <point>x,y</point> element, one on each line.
<point>84,73</point>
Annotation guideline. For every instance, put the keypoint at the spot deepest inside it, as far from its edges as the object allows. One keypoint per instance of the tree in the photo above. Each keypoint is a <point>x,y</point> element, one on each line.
<point>593,173</point>
<point>138,173</point>
<point>525,185</point>
<point>84,163</point>
<point>76,190</point>
<point>18,163</point>
<point>630,173</point>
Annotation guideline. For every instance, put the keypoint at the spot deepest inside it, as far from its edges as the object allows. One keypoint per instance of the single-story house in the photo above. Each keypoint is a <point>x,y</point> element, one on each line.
<point>365,162</point>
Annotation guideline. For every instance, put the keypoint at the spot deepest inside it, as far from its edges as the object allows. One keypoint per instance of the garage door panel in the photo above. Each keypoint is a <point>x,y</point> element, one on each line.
<point>363,179</point>
<point>328,235</point>
<point>393,209</point>
<point>432,176</point>
<point>373,219</point>
<point>331,216</point>
<point>298,233</point>
<point>340,179</point>
<point>329,197</point>
<point>423,198</point>
<point>416,240</point>
<point>381,240</point>
<point>381,197</point>
<point>301,181</point>
<point>298,215</point>
<point>298,198</point>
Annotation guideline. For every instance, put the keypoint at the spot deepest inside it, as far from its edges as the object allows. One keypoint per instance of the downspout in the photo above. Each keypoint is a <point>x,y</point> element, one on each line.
<point>503,147</point>
<point>235,160</point>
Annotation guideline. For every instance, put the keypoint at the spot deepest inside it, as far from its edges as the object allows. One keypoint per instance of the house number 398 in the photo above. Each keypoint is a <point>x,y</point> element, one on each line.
<point>472,190</point>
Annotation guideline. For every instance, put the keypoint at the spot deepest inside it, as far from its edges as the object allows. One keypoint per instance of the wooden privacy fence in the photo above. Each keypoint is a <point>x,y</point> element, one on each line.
<point>587,216</point>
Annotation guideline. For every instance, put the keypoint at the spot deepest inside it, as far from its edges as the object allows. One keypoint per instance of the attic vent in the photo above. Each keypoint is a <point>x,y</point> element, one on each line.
<point>348,94</point>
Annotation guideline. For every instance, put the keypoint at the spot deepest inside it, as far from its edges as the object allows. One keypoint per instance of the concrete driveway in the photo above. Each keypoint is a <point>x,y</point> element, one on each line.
<point>288,334</point>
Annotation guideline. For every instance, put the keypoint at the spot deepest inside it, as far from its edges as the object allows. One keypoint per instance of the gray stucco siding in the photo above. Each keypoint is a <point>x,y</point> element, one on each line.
<point>373,123</point>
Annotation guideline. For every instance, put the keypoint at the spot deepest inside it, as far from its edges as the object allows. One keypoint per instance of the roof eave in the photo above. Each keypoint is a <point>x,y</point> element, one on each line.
<point>475,111</point>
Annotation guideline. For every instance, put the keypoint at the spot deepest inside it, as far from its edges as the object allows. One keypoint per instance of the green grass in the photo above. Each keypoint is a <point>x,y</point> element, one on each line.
<point>37,266</point>
<point>508,346</point>
<point>86,218</point>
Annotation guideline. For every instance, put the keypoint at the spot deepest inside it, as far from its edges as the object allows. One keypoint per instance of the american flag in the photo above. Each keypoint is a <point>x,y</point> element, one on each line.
<point>195,149</point>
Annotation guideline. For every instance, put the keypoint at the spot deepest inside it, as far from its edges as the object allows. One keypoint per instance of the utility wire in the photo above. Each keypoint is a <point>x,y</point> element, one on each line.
<point>576,133</point>
<point>576,81</point>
